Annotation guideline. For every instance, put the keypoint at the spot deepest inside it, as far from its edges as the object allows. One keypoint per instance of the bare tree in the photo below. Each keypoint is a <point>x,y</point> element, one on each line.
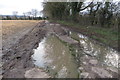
<point>34,12</point>
<point>24,15</point>
<point>15,14</point>
<point>28,13</point>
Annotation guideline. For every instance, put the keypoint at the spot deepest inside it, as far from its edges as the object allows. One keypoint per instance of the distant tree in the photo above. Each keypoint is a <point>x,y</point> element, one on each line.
<point>1,17</point>
<point>8,17</point>
<point>29,15</point>
<point>40,18</point>
<point>34,12</point>
<point>15,14</point>
<point>24,14</point>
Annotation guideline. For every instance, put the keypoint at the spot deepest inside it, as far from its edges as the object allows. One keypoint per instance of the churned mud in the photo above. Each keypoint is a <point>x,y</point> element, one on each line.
<point>17,59</point>
<point>50,50</point>
<point>13,30</point>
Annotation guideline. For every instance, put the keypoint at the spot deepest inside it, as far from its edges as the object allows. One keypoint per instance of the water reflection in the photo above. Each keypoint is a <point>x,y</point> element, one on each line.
<point>39,58</point>
<point>107,56</point>
<point>53,55</point>
<point>112,58</point>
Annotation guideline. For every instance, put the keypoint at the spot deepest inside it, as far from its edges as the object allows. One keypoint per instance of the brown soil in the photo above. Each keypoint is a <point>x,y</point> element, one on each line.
<point>17,59</point>
<point>13,30</point>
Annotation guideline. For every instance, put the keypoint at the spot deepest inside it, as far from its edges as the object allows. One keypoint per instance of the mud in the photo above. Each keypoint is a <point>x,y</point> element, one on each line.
<point>17,59</point>
<point>54,56</point>
<point>18,62</point>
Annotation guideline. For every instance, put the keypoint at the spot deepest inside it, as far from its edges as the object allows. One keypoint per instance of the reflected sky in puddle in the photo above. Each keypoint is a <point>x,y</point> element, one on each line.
<point>106,55</point>
<point>40,59</point>
<point>112,58</point>
<point>53,55</point>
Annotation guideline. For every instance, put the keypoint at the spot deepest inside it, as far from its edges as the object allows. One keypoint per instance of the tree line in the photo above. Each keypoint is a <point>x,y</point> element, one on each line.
<point>102,14</point>
<point>31,15</point>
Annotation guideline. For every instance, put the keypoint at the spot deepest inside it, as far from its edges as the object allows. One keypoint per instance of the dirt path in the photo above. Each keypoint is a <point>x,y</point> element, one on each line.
<point>90,67</point>
<point>18,62</point>
<point>18,59</point>
<point>13,30</point>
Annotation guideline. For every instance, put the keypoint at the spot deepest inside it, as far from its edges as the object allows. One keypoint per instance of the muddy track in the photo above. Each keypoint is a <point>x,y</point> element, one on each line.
<point>18,59</point>
<point>83,31</point>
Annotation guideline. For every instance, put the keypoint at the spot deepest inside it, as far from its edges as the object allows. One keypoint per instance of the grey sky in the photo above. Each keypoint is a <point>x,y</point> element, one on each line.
<point>8,6</point>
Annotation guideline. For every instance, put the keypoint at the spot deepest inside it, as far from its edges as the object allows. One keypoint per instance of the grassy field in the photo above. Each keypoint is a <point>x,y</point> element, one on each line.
<point>107,36</point>
<point>10,27</point>
<point>12,30</point>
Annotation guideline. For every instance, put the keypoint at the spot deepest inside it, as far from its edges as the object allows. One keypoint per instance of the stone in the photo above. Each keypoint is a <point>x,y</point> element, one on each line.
<point>84,75</point>
<point>36,73</point>
<point>94,62</point>
<point>101,72</point>
<point>80,68</point>
<point>84,63</point>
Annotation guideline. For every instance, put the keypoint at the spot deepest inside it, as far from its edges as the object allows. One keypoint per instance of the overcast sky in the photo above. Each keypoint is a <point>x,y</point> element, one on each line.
<point>8,6</point>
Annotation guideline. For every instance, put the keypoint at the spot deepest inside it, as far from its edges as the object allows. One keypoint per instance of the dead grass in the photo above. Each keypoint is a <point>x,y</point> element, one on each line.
<point>10,27</point>
<point>13,30</point>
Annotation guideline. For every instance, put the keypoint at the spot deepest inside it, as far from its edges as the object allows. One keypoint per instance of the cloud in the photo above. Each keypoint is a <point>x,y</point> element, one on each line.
<point>8,6</point>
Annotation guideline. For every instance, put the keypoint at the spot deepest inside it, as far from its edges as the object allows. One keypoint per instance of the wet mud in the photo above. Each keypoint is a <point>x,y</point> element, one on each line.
<point>56,51</point>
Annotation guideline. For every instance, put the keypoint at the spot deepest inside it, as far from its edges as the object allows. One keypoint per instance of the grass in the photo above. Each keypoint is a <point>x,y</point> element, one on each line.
<point>107,36</point>
<point>13,30</point>
<point>10,27</point>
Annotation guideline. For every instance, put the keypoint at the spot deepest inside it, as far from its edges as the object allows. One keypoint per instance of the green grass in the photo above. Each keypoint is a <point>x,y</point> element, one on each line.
<point>107,36</point>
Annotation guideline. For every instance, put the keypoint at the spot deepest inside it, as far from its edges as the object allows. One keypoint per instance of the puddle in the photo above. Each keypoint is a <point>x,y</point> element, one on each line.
<point>54,56</point>
<point>107,56</point>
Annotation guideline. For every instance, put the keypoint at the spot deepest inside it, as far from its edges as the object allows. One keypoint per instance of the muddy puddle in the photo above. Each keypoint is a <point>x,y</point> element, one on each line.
<point>54,56</point>
<point>57,58</point>
<point>106,55</point>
